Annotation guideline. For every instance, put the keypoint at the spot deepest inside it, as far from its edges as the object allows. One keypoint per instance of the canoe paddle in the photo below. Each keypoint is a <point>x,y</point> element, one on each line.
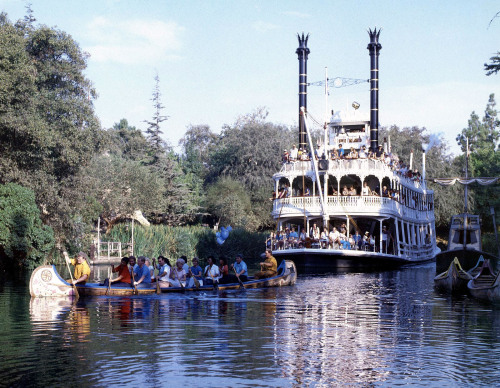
<point>196,282</point>
<point>133,282</point>
<point>66,259</point>
<point>238,277</point>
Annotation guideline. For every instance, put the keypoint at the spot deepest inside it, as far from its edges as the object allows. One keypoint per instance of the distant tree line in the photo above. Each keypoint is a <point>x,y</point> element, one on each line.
<point>67,172</point>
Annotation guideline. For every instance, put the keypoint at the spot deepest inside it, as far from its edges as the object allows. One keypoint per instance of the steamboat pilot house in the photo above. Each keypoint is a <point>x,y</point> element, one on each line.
<point>351,202</point>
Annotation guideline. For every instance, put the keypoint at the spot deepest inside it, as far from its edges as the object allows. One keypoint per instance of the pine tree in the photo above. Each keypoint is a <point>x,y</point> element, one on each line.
<point>153,133</point>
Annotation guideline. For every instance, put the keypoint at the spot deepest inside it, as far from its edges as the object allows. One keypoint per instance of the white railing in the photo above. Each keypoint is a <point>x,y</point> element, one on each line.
<point>352,205</point>
<point>351,166</point>
<point>107,250</point>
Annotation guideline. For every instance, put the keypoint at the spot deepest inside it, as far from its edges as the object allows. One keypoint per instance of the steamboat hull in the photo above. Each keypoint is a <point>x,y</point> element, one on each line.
<point>314,261</point>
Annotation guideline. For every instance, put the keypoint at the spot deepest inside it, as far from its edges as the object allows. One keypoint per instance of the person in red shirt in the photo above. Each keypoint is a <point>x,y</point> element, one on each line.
<point>124,278</point>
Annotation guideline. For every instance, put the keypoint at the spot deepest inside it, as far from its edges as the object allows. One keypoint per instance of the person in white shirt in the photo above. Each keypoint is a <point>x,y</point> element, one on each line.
<point>294,153</point>
<point>334,238</point>
<point>163,272</point>
<point>211,272</point>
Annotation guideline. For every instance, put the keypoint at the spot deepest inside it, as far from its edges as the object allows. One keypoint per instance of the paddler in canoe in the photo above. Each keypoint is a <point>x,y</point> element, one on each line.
<point>268,268</point>
<point>82,269</point>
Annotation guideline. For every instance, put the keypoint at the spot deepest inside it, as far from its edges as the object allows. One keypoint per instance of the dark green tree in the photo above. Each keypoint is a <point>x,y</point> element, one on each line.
<point>48,129</point>
<point>24,240</point>
<point>229,202</point>
<point>484,159</point>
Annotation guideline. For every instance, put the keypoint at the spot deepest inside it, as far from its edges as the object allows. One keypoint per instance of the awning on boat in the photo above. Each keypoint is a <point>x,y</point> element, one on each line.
<point>465,181</point>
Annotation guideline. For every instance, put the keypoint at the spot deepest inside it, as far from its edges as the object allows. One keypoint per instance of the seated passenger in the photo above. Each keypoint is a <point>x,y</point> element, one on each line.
<point>82,269</point>
<point>293,238</point>
<point>302,239</point>
<point>324,238</point>
<point>334,155</point>
<point>124,278</point>
<point>268,268</point>
<point>345,192</point>
<point>352,191</point>
<point>362,153</point>
<point>353,154</point>
<point>151,269</point>
<point>334,238</point>
<point>211,272</point>
<point>358,239</point>
<point>385,192</point>
<point>196,273</point>
<point>224,271</point>
<point>178,275</point>
<point>366,189</point>
<point>142,275</point>
<point>344,241</point>
<point>240,268</point>
<point>163,272</point>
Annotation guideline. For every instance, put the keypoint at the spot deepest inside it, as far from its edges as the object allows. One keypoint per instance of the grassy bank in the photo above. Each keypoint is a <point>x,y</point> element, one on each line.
<point>191,241</point>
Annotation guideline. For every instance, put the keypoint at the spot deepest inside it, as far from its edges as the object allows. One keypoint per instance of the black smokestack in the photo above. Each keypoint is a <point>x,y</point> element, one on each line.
<point>374,46</point>
<point>302,52</point>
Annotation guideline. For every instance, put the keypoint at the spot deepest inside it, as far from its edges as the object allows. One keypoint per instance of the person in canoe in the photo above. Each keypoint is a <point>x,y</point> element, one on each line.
<point>124,278</point>
<point>178,275</point>
<point>211,272</point>
<point>268,268</point>
<point>224,271</point>
<point>164,270</point>
<point>142,275</point>
<point>240,268</point>
<point>196,273</point>
<point>82,269</point>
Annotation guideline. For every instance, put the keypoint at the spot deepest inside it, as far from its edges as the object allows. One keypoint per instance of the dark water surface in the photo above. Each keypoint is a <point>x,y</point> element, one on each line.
<point>379,329</point>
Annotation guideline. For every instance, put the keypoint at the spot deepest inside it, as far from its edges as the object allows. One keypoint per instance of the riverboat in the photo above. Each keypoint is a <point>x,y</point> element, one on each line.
<point>46,282</point>
<point>350,182</point>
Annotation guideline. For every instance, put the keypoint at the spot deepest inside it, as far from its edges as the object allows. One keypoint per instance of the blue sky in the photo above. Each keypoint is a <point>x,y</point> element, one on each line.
<point>220,59</point>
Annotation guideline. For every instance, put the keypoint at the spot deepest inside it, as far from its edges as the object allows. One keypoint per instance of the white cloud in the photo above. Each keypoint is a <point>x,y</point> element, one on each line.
<point>134,41</point>
<point>261,26</point>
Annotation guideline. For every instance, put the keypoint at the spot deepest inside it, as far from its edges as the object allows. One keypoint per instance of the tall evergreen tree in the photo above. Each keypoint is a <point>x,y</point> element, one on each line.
<point>154,132</point>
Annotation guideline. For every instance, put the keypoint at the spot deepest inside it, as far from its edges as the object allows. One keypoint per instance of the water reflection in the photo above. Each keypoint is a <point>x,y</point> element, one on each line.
<point>347,329</point>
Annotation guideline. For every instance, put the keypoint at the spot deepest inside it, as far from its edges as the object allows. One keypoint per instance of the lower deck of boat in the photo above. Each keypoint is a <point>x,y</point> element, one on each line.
<point>313,261</point>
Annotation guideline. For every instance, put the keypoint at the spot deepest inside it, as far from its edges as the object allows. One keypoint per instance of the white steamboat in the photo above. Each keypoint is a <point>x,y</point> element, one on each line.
<point>383,213</point>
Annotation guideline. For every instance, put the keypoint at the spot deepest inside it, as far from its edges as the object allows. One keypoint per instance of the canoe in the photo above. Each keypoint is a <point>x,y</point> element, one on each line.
<point>46,282</point>
<point>454,279</point>
<point>486,285</point>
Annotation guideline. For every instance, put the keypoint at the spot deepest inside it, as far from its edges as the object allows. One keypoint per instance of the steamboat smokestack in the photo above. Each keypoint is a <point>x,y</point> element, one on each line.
<point>374,47</point>
<point>302,52</point>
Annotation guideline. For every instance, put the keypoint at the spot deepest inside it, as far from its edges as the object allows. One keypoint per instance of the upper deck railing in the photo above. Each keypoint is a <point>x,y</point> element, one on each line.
<point>351,166</point>
<point>352,205</point>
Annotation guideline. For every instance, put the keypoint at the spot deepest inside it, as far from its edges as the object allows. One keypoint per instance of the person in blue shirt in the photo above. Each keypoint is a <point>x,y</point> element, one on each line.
<point>196,272</point>
<point>240,268</point>
<point>341,152</point>
<point>357,240</point>
<point>143,275</point>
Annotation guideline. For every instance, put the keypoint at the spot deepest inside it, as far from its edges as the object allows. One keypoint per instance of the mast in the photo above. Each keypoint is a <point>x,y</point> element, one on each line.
<point>374,47</point>
<point>302,52</point>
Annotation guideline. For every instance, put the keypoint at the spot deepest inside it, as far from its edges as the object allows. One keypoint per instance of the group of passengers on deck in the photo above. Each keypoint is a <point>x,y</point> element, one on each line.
<point>336,238</point>
<point>381,153</point>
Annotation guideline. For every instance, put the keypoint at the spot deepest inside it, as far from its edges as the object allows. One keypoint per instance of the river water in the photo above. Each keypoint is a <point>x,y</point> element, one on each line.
<point>376,329</point>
